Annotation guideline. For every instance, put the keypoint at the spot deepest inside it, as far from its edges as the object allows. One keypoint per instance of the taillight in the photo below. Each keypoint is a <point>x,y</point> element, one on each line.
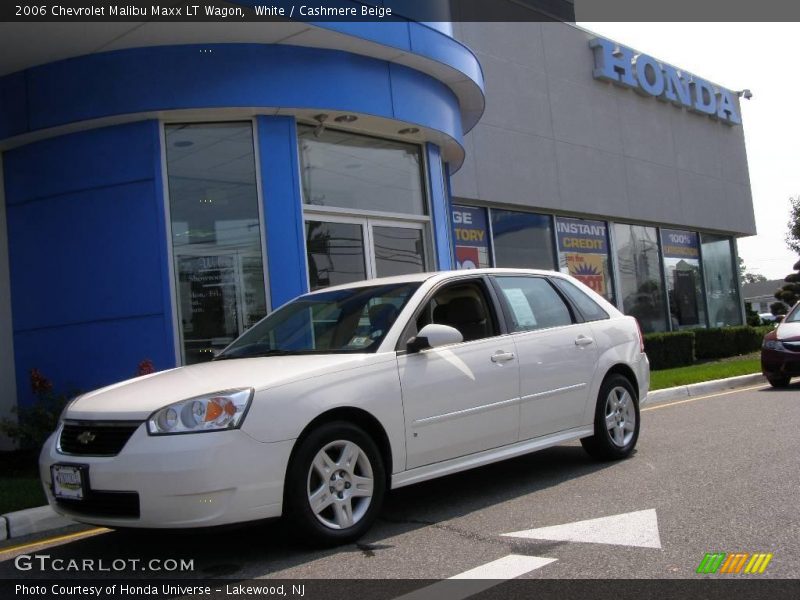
<point>641,336</point>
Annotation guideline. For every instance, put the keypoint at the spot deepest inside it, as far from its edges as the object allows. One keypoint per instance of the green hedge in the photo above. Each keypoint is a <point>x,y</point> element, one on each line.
<point>668,350</point>
<point>682,348</point>
<point>722,342</point>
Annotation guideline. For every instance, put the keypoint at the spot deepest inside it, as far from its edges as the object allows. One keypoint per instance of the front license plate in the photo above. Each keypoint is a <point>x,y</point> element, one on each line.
<point>68,481</point>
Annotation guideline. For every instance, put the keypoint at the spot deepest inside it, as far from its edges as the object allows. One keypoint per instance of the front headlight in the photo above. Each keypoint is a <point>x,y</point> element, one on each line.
<point>212,412</point>
<point>773,345</point>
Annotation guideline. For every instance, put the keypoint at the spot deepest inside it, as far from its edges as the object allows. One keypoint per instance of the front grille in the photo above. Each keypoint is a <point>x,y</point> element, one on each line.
<point>792,346</point>
<point>104,504</point>
<point>95,438</point>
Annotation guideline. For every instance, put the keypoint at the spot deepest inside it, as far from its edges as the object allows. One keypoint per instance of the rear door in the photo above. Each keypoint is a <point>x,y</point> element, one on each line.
<point>557,354</point>
<point>462,398</point>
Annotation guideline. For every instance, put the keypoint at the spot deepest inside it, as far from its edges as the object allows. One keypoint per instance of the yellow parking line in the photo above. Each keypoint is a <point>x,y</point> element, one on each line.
<point>755,387</point>
<point>55,540</point>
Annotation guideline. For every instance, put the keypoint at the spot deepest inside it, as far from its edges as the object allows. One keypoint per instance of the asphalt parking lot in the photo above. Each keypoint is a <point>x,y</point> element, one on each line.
<point>711,474</point>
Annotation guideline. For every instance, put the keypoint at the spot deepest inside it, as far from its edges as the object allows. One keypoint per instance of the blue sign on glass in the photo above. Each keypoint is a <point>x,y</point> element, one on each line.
<point>470,237</point>
<point>679,244</point>
<point>579,235</point>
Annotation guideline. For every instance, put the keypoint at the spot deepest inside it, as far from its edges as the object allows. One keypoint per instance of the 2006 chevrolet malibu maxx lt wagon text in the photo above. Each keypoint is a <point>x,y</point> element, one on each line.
<point>340,395</point>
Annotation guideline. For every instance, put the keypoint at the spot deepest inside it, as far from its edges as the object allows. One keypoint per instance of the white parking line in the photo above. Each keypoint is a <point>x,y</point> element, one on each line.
<point>480,578</point>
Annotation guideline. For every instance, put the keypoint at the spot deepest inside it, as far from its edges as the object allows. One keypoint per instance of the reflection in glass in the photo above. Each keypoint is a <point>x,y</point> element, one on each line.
<point>522,239</point>
<point>363,173</point>
<point>335,253</point>
<point>398,251</point>
<point>216,234</point>
<point>724,306</point>
<point>641,287</point>
<point>681,251</point>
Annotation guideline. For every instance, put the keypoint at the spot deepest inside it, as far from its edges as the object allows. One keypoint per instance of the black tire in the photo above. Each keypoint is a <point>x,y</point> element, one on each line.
<point>779,381</point>
<point>301,481</point>
<point>602,445</point>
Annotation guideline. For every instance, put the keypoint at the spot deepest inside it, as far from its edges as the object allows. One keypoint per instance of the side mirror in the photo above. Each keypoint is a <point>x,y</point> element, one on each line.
<point>433,336</point>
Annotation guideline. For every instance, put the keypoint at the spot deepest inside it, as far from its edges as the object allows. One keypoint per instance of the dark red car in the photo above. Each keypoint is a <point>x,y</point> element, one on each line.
<point>780,352</point>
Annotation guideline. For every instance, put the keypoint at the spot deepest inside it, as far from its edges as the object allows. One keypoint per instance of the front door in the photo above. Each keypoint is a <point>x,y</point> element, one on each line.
<point>463,398</point>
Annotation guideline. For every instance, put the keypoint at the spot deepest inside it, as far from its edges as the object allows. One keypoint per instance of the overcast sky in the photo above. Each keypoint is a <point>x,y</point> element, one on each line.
<point>761,57</point>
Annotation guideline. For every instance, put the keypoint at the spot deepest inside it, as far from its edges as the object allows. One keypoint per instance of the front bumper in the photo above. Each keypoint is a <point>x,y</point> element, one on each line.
<point>182,481</point>
<point>777,363</point>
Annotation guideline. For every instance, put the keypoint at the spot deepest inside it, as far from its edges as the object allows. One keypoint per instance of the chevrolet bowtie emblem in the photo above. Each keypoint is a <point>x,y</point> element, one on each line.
<point>86,438</point>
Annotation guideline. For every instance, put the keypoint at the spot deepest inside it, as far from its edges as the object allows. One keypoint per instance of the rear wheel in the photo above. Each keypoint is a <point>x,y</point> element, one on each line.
<point>779,381</point>
<point>335,484</point>
<point>616,421</point>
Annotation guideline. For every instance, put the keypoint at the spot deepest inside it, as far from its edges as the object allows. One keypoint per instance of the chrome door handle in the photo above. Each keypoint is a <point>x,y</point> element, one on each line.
<point>501,357</point>
<point>582,340</point>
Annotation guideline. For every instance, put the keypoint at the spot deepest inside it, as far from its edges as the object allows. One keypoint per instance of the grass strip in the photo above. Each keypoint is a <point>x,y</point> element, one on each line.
<point>704,372</point>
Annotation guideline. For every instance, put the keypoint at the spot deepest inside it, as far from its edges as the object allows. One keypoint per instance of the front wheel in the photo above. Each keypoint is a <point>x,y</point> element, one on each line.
<point>778,381</point>
<point>616,421</point>
<point>335,484</point>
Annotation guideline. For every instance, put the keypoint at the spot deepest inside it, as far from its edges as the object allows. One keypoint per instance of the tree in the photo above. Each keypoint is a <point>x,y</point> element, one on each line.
<point>793,235</point>
<point>790,292</point>
<point>746,277</point>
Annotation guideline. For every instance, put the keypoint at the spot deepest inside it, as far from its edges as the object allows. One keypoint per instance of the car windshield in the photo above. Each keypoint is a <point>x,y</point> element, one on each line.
<point>794,315</point>
<point>348,320</point>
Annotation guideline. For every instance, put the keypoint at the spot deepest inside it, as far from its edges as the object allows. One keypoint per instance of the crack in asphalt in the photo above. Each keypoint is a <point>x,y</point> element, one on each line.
<point>494,540</point>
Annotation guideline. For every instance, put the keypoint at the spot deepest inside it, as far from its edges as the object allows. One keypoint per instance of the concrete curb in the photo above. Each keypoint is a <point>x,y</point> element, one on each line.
<point>44,518</point>
<point>31,520</point>
<point>706,387</point>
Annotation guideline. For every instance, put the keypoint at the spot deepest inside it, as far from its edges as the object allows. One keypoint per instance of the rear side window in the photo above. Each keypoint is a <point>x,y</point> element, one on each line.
<point>532,303</point>
<point>589,309</point>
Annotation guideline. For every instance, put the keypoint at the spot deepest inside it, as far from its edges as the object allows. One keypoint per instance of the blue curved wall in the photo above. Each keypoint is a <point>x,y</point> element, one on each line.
<point>220,76</point>
<point>88,257</point>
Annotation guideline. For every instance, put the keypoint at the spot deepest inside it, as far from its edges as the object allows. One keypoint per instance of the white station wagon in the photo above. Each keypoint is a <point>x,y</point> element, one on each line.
<point>342,394</point>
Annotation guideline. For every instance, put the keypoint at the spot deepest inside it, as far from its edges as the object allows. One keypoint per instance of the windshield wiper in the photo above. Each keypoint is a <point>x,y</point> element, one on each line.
<point>260,354</point>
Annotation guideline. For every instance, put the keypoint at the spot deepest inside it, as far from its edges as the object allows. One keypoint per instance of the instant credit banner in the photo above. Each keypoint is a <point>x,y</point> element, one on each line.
<point>679,244</point>
<point>589,269</point>
<point>470,237</point>
<point>578,235</point>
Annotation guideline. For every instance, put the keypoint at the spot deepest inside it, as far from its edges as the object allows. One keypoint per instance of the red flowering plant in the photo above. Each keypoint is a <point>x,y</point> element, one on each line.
<point>35,422</point>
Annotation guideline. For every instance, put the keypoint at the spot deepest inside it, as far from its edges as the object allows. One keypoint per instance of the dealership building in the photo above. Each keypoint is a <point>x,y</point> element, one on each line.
<point>165,185</point>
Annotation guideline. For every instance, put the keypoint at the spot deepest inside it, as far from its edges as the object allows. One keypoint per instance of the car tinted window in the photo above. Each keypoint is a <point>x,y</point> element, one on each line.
<point>346,320</point>
<point>533,303</point>
<point>461,305</point>
<point>589,309</point>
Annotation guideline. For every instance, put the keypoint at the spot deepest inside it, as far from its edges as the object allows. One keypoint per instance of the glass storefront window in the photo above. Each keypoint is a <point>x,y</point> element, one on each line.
<point>583,252</point>
<point>335,253</point>
<point>470,237</point>
<point>722,293</point>
<point>216,234</point>
<point>398,250</point>
<point>681,251</point>
<point>641,287</point>
<point>522,239</point>
<point>344,170</point>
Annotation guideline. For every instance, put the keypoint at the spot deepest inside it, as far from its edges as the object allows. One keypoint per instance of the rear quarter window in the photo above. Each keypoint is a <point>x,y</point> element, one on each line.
<point>589,309</point>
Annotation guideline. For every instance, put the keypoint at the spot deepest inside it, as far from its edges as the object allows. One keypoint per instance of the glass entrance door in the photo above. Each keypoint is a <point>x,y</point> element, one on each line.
<point>347,249</point>
<point>221,294</point>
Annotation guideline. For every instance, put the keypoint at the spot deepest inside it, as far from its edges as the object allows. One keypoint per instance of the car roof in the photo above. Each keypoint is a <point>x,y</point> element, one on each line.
<point>437,275</point>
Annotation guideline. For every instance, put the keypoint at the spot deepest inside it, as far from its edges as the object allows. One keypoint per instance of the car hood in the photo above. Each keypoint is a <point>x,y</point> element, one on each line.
<point>788,331</point>
<point>136,399</point>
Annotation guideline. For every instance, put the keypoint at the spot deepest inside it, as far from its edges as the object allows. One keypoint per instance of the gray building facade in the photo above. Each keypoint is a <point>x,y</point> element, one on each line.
<point>564,163</point>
